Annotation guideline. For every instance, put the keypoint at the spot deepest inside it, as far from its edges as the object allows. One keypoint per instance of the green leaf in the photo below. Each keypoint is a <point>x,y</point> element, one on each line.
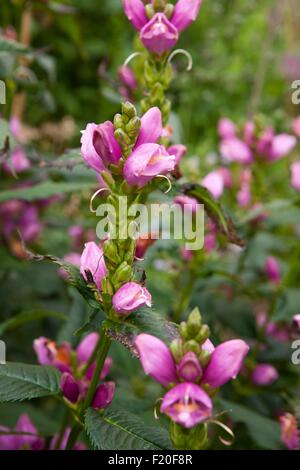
<point>13,47</point>
<point>44,190</point>
<point>20,382</point>
<point>264,431</point>
<point>214,211</point>
<point>77,315</point>
<point>143,321</point>
<point>26,317</point>
<point>120,430</point>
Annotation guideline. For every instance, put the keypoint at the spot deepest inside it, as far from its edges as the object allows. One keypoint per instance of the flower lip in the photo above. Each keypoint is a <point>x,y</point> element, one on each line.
<point>159,35</point>
<point>187,404</point>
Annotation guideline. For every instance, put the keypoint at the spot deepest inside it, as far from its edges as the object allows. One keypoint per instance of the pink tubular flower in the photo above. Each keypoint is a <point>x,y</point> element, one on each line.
<point>282,145</point>
<point>264,374</point>
<point>178,150</point>
<point>159,35</point>
<point>187,404</point>
<point>18,162</point>
<point>24,441</point>
<point>225,362</point>
<point>104,395</point>
<point>127,77</point>
<point>146,162</point>
<point>187,203</point>
<point>189,368</point>
<point>214,182</point>
<point>156,359</point>
<point>244,195</point>
<point>249,133</point>
<point>92,264</point>
<point>51,354</point>
<point>69,387</point>
<point>272,270</point>
<point>135,12</point>
<point>289,431</point>
<point>226,128</point>
<point>130,297</point>
<point>86,347</point>
<point>235,150</point>
<point>185,12</point>
<point>99,146</point>
<point>296,127</point>
<point>151,127</point>
<point>29,224</point>
<point>295,175</point>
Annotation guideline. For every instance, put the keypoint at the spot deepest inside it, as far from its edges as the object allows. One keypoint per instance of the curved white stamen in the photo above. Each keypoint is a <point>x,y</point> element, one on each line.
<point>131,57</point>
<point>186,54</point>
<point>228,431</point>
<point>169,182</point>
<point>99,191</point>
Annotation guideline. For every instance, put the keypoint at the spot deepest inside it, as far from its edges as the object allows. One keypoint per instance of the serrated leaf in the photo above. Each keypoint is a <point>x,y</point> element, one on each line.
<point>264,431</point>
<point>45,190</point>
<point>26,317</point>
<point>143,321</point>
<point>120,430</point>
<point>214,211</point>
<point>20,382</point>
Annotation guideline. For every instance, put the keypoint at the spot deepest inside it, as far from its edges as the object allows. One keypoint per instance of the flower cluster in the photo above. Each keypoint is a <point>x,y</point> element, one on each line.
<point>77,369</point>
<point>191,370</point>
<point>159,22</point>
<point>24,436</point>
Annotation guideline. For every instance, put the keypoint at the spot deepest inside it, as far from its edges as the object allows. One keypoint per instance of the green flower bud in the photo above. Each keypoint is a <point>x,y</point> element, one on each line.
<point>122,137</point>
<point>193,346</point>
<point>167,75</point>
<point>169,9</point>
<point>176,349</point>
<point>183,330</point>
<point>150,12</point>
<point>110,251</point>
<point>159,5</point>
<point>133,127</point>
<point>130,251</point>
<point>194,323</point>
<point>129,109</point>
<point>118,121</point>
<point>203,334</point>
<point>204,357</point>
<point>122,274</point>
<point>108,179</point>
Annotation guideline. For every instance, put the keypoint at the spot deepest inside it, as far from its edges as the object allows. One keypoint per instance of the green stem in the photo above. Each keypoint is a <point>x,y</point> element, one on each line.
<point>104,347</point>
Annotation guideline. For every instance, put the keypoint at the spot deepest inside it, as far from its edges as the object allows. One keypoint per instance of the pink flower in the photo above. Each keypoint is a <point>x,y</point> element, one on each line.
<point>146,162</point>
<point>72,258</point>
<point>135,12</point>
<point>214,182</point>
<point>130,297</point>
<point>185,12</point>
<point>210,242</point>
<point>92,264</point>
<point>249,133</point>
<point>178,150</point>
<point>24,441</point>
<point>225,362</point>
<point>99,146</point>
<point>187,404</point>
<point>69,387</point>
<point>226,176</point>
<point>295,175</point>
<point>235,150</point>
<point>282,145</point>
<point>264,374</point>
<point>189,368</point>
<point>289,431</point>
<point>272,270</point>
<point>51,354</point>
<point>127,77</point>
<point>156,359</point>
<point>244,195</point>
<point>104,395</point>
<point>296,127</point>
<point>29,224</point>
<point>226,128</point>
<point>151,127</point>
<point>264,143</point>
<point>53,443</point>
<point>187,203</point>
<point>159,35</point>
<point>86,347</point>
<point>18,162</point>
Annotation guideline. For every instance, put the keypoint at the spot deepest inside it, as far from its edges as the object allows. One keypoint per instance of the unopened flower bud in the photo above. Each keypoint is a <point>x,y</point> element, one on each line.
<point>150,12</point>
<point>122,137</point>
<point>194,322</point>
<point>133,127</point>
<point>204,357</point>
<point>176,349</point>
<point>193,346</point>
<point>169,9</point>
<point>110,251</point>
<point>183,331</point>
<point>122,274</point>
<point>118,121</point>
<point>128,109</point>
<point>203,334</point>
